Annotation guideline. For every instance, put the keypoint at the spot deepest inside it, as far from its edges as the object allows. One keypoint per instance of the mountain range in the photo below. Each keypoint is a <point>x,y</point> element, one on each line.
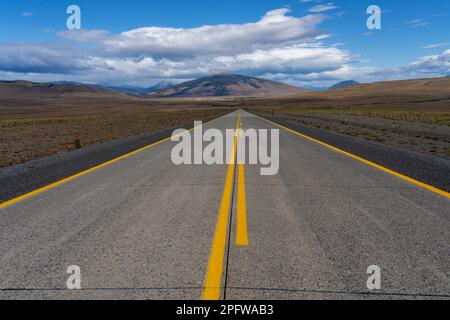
<point>21,88</point>
<point>223,85</point>
<point>139,90</point>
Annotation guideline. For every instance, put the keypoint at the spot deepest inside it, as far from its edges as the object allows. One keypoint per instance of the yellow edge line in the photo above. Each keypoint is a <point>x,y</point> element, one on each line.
<point>242,228</point>
<point>213,280</point>
<point>63,181</point>
<point>397,174</point>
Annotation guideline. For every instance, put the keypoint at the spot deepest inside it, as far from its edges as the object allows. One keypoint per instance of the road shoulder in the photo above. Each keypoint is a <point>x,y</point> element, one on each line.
<point>425,168</point>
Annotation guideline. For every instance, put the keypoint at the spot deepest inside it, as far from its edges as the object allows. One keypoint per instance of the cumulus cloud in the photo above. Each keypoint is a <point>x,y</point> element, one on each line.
<point>278,42</point>
<point>433,64</point>
<point>289,60</point>
<point>276,28</point>
<point>279,46</point>
<point>40,58</point>
<point>327,78</point>
<point>422,67</point>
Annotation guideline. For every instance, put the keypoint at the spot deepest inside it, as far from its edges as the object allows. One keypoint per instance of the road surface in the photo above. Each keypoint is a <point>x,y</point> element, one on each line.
<point>144,228</point>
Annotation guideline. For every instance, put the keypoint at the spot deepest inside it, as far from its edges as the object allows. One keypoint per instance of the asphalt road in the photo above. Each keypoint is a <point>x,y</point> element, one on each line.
<point>144,228</point>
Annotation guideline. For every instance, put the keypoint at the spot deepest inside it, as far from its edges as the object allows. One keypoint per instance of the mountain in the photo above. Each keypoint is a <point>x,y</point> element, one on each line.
<point>224,85</point>
<point>138,90</point>
<point>344,84</point>
<point>211,86</point>
<point>125,89</point>
<point>23,88</point>
<point>160,86</point>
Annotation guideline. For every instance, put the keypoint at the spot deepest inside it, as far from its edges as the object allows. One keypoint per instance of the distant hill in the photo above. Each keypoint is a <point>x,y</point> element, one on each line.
<point>160,86</point>
<point>33,89</point>
<point>232,85</point>
<point>24,88</point>
<point>429,92</point>
<point>139,90</point>
<point>344,84</point>
<point>125,89</point>
<point>414,87</point>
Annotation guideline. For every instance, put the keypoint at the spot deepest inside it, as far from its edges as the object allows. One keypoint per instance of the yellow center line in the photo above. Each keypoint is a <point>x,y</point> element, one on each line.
<point>241,227</point>
<point>372,164</point>
<point>213,281</point>
<point>241,223</point>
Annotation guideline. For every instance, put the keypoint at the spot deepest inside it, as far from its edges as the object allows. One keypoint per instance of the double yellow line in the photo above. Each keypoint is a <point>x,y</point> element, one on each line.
<point>213,282</point>
<point>241,225</point>
<point>214,274</point>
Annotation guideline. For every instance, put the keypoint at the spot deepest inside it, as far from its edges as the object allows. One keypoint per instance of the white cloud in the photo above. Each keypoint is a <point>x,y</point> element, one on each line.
<point>323,7</point>
<point>417,23</point>
<point>431,65</point>
<point>291,60</point>
<point>422,67</point>
<point>288,60</point>
<point>436,45</point>
<point>41,58</point>
<point>278,46</point>
<point>277,42</point>
<point>276,28</point>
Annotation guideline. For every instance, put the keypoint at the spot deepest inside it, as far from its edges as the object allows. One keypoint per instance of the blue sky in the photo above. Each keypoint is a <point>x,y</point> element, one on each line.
<point>303,42</point>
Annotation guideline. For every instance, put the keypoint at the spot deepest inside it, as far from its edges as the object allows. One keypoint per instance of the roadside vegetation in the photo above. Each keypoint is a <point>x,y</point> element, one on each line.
<point>423,132</point>
<point>22,140</point>
<point>411,114</point>
<point>433,118</point>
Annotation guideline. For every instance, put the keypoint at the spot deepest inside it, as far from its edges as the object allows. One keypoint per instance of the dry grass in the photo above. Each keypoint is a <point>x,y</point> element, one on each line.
<point>433,118</point>
<point>22,140</point>
<point>423,132</point>
<point>34,126</point>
